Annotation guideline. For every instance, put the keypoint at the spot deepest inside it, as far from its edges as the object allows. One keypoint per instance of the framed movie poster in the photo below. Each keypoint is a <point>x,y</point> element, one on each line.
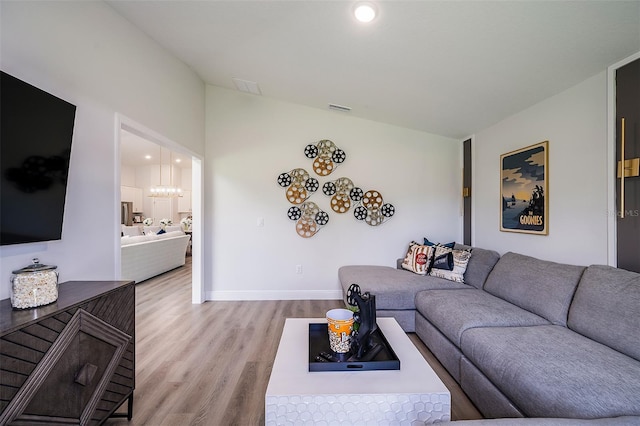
<point>524,182</point>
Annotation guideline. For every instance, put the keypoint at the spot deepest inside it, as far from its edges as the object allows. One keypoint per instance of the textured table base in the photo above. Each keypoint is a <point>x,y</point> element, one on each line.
<point>358,409</point>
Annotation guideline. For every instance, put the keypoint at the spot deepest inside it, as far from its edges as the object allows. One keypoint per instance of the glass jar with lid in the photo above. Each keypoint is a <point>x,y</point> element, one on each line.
<point>34,285</point>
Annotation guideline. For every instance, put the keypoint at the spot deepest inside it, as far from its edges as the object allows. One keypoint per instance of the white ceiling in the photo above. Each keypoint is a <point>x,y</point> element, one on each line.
<point>446,67</point>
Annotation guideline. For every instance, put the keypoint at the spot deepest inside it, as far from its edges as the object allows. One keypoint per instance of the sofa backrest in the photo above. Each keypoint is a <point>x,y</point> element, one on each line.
<point>606,308</point>
<point>480,264</point>
<point>131,231</point>
<point>127,240</point>
<point>153,229</point>
<point>539,286</point>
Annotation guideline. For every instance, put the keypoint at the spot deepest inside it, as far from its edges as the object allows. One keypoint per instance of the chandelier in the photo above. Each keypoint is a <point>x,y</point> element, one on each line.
<point>166,191</point>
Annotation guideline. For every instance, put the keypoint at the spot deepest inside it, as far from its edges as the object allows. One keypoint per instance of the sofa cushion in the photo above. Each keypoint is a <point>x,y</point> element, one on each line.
<point>131,231</point>
<point>393,288</point>
<point>551,371</point>
<point>606,308</point>
<point>480,264</point>
<point>431,243</point>
<point>171,234</point>
<point>125,241</point>
<point>444,261</point>
<point>542,287</point>
<point>418,258</point>
<point>455,311</point>
<point>460,261</point>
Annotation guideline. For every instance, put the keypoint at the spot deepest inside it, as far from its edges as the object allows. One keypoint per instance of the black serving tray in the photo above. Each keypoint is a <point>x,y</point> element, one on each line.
<point>386,359</point>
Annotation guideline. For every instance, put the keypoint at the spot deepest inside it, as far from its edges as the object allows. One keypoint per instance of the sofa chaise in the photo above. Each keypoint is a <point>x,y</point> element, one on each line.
<point>524,337</point>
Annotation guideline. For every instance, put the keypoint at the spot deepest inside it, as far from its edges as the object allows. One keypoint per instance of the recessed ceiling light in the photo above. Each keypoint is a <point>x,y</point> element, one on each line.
<point>148,157</point>
<point>178,160</point>
<point>365,12</point>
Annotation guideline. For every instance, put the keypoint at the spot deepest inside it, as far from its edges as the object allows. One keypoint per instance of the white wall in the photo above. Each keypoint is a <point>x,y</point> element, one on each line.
<point>251,140</point>
<point>88,55</point>
<point>574,123</point>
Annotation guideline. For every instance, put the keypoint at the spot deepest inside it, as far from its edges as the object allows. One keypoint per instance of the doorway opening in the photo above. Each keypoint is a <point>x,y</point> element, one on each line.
<point>149,161</point>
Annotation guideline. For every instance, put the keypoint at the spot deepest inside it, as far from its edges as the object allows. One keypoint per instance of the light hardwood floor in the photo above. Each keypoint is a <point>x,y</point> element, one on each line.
<point>209,364</point>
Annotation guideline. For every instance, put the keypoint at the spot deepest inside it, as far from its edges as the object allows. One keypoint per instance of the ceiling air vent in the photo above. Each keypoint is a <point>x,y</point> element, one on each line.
<point>247,86</point>
<point>339,107</point>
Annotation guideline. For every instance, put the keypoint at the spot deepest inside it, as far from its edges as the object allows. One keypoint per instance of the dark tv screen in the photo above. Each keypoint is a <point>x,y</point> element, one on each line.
<point>36,130</point>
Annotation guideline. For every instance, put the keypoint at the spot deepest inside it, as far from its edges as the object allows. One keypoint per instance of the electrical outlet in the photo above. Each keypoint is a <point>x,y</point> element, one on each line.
<point>298,269</point>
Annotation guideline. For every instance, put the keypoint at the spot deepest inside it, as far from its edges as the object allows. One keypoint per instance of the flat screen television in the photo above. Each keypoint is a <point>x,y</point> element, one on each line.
<point>36,131</point>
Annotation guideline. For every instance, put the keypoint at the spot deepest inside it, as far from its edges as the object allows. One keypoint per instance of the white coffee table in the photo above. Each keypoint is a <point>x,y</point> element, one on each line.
<point>412,395</point>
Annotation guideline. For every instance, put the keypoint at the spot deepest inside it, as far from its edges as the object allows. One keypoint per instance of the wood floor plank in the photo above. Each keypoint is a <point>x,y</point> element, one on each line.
<point>210,364</point>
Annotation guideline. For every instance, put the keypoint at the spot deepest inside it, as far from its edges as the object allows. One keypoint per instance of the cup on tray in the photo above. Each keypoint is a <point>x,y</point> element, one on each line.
<point>340,327</point>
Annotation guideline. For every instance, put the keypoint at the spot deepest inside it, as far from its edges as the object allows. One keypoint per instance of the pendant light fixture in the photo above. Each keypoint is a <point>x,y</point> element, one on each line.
<point>166,191</point>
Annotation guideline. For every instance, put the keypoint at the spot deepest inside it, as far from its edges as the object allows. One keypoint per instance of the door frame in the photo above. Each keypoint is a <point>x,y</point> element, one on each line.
<point>472,138</point>
<point>197,272</point>
<point>612,209</point>
<point>467,221</point>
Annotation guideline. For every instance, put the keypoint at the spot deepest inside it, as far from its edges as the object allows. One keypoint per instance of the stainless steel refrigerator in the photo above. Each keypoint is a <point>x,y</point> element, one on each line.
<point>126,213</point>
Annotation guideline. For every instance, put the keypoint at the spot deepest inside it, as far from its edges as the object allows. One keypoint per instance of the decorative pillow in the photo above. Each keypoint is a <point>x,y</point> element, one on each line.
<point>444,261</point>
<point>418,258</point>
<point>407,257</point>
<point>448,245</point>
<point>460,262</point>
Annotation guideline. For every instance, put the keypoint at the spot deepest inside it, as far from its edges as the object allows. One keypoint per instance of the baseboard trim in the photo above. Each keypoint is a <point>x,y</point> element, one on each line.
<point>275,295</point>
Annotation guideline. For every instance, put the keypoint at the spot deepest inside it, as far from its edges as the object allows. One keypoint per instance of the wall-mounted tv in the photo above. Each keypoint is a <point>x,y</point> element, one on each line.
<point>36,130</point>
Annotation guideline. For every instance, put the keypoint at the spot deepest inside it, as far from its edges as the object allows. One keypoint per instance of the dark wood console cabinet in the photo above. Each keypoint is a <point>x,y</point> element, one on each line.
<point>70,362</point>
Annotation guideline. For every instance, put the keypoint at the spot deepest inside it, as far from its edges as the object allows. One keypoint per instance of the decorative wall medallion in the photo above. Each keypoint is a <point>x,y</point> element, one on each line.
<point>299,184</point>
<point>326,156</point>
<point>343,194</point>
<point>369,206</point>
<point>373,210</point>
<point>309,218</point>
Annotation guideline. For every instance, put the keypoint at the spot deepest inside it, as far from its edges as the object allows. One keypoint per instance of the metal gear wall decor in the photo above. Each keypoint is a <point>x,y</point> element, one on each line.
<point>309,218</point>
<point>326,156</point>
<point>369,206</point>
<point>343,194</point>
<point>300,185</point>
<point>373,210</point>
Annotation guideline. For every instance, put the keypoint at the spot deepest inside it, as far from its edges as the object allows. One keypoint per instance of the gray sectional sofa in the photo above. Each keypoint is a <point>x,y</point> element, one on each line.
<point>524,337</point>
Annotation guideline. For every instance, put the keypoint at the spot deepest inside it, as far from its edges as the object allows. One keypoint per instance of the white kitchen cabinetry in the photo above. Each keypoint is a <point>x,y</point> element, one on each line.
<point>133,195</point>
<point>184,202</point>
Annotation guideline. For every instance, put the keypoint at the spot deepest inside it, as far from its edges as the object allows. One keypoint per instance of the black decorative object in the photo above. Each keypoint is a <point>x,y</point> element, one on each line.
<point>362,345</point>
